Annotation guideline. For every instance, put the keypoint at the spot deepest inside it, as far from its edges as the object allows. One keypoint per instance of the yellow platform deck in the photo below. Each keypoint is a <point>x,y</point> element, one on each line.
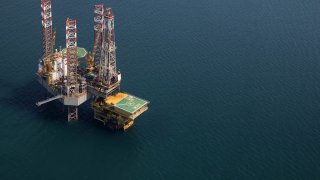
<point>116,98</point>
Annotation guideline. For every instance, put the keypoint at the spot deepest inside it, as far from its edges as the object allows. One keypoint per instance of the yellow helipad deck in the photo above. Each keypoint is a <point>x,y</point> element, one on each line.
<point>128,103</point>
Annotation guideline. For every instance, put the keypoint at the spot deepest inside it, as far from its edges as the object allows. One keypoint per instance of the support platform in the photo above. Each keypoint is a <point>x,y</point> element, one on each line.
<point>58,91</point>
<point>119,111</point>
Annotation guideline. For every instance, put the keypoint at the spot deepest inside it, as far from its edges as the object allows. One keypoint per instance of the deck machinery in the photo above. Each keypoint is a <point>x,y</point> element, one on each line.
<point>59,72</point>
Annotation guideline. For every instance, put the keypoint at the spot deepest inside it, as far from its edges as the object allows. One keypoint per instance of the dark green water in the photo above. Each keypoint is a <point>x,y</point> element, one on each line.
<point>234,87</point>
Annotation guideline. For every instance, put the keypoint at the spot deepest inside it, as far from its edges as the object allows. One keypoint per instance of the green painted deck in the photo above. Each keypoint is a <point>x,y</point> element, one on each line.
<point>81,52</point>
<point>131,104</point>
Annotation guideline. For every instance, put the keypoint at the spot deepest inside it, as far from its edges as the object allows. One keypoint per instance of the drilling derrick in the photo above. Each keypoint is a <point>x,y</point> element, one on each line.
<point>104,80</point>
<point>112,75</point>
<point>107,72</point>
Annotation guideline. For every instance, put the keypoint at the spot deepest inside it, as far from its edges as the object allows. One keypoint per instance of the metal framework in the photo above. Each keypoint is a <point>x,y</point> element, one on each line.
<point>72,59</point>
<point>99,31</point>
<point>112,74</point>
<point>107,74</point>
<point>104,50</point>
<point>72,113</point>
<point>47,37</point>
<point>72,86</point>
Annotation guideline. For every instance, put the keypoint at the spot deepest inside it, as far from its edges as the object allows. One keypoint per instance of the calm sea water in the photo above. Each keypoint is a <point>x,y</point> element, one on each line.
<point>234,87</point>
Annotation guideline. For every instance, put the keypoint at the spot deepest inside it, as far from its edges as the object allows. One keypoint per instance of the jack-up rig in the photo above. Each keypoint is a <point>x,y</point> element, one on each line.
<point>59,72</point>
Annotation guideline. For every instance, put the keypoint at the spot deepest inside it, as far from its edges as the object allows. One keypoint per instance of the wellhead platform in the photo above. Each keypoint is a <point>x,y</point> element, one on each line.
<point>60,73</point>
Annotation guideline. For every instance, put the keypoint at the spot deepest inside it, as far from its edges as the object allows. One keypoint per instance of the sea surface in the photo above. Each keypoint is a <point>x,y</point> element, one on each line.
<point>234,87</point>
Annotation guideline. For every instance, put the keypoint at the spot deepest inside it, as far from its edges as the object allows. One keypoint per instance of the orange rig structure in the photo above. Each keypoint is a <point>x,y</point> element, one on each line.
<point>59,72</point>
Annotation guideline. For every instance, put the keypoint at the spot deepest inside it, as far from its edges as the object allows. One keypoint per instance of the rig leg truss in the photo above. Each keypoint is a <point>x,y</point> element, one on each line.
<point>47,36</point>
<point>72,65</point>
<point>72,113</point>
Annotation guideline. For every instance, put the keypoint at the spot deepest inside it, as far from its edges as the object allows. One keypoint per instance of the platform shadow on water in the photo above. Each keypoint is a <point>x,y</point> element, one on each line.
<point>24,97</point>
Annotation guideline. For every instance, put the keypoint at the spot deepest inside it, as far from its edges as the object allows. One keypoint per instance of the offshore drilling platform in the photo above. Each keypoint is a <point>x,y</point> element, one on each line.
<point>60,74</point>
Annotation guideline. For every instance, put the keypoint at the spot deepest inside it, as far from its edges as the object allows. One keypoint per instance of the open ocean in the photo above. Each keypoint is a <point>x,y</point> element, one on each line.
<point>234,87</point>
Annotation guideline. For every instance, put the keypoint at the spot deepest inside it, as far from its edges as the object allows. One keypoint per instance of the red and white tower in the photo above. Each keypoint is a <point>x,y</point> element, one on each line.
<point>72,59</point>
<point>47,38</point>
<point>72,85</point>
